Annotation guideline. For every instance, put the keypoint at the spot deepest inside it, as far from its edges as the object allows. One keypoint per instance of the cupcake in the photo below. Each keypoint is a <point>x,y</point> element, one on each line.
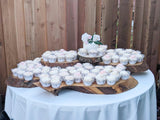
<point>132,59</point>
<point>140,57</point>
<point>86,64</point>
<point>99,67</point>
<point>85,72</point>
<point>100,79</point>
<point>55,81</point>
<point>89,67</point>
<point>63,70</point>
<point>101,51</point>
<point>126,55</point>
<point>103,47</point>
<point>37,60</point>
<point>69,58</point>
<point>45,81</point>
<point>115,59</point>
<point>117,50</point>
<point>45,69</point>
<point>14,72</point>
<point>20,74</point>
<point>74,53</point>
<point>82,52</point>
<point>77,77</point>
<point>69,80</point>
<point>116,74</point>
<point>28,76</point>
<point>111,80</point>
<point>53,72</point>
<point>78,65</point>
<point>129,50</point>
<point>45,57</point>
<point>70,68</point>
<point>120,67</point>
<point>93,53</point>
<point>88,80</point>
<point>52,58</point>
<point>110,51</point>
<point>95,71</point>
<point>37,72</point>
<point>72,71</point>
<point>62,75</point>
<point>124,75</point>
<point>123,60</point>
<point>61,58</point>
<point>106,59</point>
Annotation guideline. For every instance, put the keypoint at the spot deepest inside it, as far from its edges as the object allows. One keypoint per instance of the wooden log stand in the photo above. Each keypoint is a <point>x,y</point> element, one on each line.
<point>119,87</point>
<point>92,60</point>
<point>138,67</point>
<point>15,82</point>
<point>60,64</point>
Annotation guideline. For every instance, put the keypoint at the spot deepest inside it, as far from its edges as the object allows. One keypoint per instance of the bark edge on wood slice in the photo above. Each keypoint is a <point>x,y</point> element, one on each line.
<point>59,64</point>
<point>135,68</point>
<point>92,60</point>
<point>119,87</point>
<point>15,82</point>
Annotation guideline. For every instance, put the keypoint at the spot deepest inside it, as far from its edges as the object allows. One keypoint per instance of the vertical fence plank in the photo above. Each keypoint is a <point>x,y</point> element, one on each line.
<point>154,36</point>
<point>109,22</point>
<point>125,19</point>
<point>98,16</point>
<point>86,17</point>
<point>56,24</point>
<point>29,28</point>
<point>138,22</point>
<point>72,23</point>
<point>9,33</point>
<point>3,68</point>
<point>40,27</point>
<point>20,31</point>
<point>81,17</point>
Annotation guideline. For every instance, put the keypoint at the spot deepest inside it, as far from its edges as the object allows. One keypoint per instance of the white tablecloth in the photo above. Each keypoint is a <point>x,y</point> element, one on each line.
<point>138,103</point>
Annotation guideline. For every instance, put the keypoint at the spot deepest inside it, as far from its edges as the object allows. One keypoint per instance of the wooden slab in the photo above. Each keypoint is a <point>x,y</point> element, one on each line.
<point>119,87</point>
<point>92,60</point>
<point>138,67</point>
<point>15,82</point>
<point>56,64</point>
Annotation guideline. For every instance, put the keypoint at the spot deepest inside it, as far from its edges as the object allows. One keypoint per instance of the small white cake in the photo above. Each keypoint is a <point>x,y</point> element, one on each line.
<point>14,72</point>
<point>52,58</point>
<point>111,80</point>
<point>61,58</point>
<point>82,51</point>
<point>88,80</point>
<point>123,60</point>
<point>55,81</point>
<point>140,57</point>
<point>45,81</point>
<point>20,74</point>
<point>132,59</point>
<point>100,79</point>
<point>28,76</point>
<point>77,77</point>
<point>124,75</point>
<point>37,72</point>
<point>106,59</point>
<point>115,59</point>
<point>69,80</point>
<point>69,58</point>
<point>93,53</point>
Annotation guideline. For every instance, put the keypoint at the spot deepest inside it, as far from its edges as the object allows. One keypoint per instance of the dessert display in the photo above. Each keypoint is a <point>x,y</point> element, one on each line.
<point>93,69</point>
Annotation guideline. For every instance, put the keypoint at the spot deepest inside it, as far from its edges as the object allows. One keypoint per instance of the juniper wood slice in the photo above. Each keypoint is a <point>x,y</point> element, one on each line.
<point>56,64</point>
<point>92,60</point>
<point>119,87</point>
<point>138,67</point>
<point>15,82</point>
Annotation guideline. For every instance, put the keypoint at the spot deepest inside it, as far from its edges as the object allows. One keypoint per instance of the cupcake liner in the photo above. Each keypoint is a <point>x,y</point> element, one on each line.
<point>78,80</point>
<point>86,83</point>
<point>111,82</point>
<point>69,82</point>
<point>28,78</point>
<point>100,82</point>
<point>56,85</point>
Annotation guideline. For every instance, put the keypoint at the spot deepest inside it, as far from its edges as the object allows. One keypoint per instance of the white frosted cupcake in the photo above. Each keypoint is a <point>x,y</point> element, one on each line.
<point>129,50</point>
<point>37,60</point>
<point>61,58</point>
<point>63,74</point>
<point>117,50</point>
<point>37,72</point>
<point>72,71</point>
<point>53,72</point>
<point>20,74</point>
<point>55,81</point>
<point>111,80</point>
<point>103,47</point>
<point>52,58</point>
<point>88,80</point>
<point>101,51</point>
<point>120,67</point>
<point>74,53</point>
<point>69,57</point>
<point>78,65</point>
<point>93,53</point>
<point>22,67</point>
<point>100,79</point>
<point>126,55</point>
<point>45,57</point>
<point>55,68</point>
<point>89,67</point>
<point>70,68</point>
<point>14,72</point>
<point>28,76</point>
<point>132,59</point>
<point>116,74</point>
<point>45,81</point>
<point>106,59</point>
<point>85,72</point>
<point>95,71</point>
<point>140,57</point>
<point>82,52</point>
<point>123,60</point>
<point>77,77</point>
<point>124,75</point>
<point>99,67</point>
<point>63,70</point>
<point>115,59</point>
<point>45,69</point>
<point>110,50</point>
<point>69,80</point>
<point>108,70</point>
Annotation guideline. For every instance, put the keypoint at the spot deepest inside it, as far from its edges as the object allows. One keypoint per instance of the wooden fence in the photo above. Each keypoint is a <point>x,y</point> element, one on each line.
<point>30,27</point>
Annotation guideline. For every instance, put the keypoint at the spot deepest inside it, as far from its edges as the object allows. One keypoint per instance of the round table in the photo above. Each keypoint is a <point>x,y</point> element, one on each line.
<point>138,103</point>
